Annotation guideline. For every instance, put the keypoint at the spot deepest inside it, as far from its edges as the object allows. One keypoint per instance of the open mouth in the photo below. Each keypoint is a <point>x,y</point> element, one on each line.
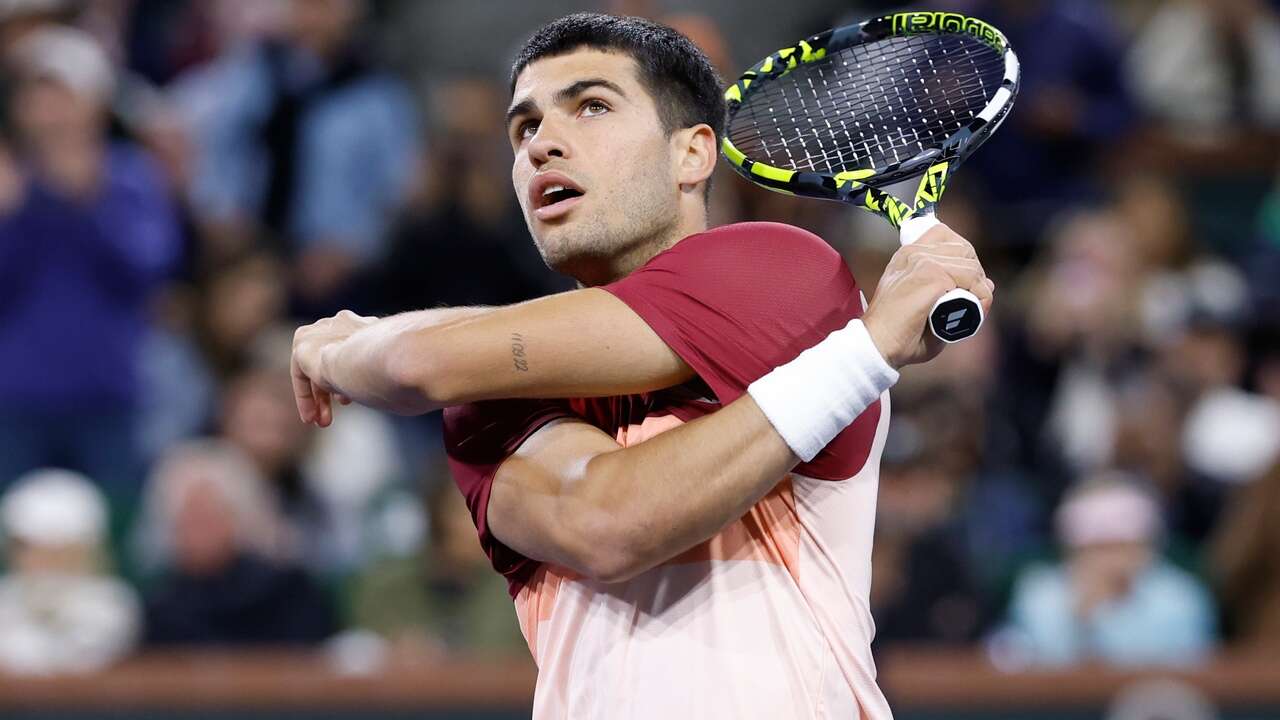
<point>555,194</point>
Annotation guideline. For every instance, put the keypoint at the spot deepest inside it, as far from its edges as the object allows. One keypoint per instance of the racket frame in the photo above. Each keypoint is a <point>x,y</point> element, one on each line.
<point>862,186</point>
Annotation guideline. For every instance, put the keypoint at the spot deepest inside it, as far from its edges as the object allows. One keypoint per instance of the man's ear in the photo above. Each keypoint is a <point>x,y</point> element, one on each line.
<point>695,154</point>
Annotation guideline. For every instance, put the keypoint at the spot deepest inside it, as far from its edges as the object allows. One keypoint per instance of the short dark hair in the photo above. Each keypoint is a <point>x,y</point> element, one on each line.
<point>682,81</point>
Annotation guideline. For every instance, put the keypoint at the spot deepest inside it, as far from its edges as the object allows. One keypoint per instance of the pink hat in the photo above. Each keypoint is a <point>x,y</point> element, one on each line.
<point>1107,508</point>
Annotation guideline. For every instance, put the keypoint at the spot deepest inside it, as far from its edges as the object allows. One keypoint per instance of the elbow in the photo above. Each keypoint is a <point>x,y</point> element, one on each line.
<point>607,545</point>
<point>609,560</point>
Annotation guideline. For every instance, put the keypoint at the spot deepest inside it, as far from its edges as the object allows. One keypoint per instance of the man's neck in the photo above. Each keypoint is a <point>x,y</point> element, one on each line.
<point>633,258</point>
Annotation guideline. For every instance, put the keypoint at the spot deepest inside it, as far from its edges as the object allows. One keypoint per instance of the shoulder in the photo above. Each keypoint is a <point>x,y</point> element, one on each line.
<point>373,102</point>
<point>756,241</point>
<point>757,267</point>
<point>224,85</point>
<point>1173,584</point>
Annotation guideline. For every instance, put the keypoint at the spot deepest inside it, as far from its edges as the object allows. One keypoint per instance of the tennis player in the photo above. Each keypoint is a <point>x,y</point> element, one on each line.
<point>681,499</point>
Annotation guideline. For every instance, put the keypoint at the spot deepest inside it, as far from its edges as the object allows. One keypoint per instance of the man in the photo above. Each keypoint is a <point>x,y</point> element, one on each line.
<point>667,555</point>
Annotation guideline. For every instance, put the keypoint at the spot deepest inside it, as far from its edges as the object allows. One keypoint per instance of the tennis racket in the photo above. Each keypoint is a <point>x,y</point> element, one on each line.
<point>850,111</point>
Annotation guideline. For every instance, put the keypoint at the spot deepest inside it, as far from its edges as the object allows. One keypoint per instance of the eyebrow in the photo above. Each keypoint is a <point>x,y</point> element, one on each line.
<point>567,92</point>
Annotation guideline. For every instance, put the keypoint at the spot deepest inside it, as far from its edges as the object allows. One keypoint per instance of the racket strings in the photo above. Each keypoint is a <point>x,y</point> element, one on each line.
<point>870,106</point>
<point>873,134</point>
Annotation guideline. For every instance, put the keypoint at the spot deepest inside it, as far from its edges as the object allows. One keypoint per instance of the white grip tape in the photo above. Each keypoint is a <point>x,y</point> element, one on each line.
<point>815,396</point>
<point>916,226</point>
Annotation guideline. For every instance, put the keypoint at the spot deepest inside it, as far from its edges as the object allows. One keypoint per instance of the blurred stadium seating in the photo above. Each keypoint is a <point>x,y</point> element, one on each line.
<point>183,182</point>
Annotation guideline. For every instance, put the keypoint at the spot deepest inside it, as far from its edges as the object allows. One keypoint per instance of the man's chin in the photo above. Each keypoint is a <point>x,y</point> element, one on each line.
<point>567,255</point>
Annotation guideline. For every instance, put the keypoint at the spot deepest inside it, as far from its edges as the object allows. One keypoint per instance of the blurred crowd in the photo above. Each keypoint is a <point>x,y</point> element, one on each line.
<point>1095,477</point>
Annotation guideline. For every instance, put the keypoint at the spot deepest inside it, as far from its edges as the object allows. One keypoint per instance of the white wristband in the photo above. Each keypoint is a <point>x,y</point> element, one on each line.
<point>812,398</point>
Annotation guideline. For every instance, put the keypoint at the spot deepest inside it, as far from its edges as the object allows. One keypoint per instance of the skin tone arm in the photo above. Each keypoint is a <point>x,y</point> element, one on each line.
<point>571,496</point>
<point>581,343</point>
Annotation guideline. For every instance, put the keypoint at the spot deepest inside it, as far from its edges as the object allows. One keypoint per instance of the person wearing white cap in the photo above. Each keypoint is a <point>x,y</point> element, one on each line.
<point>1113,599</point>
<point>59,613</point>
<point>87,233</point>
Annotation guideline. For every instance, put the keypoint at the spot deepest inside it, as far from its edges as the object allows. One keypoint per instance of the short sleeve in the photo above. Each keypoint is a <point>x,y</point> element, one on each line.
<point>478,438</point>
<point>737,301</point>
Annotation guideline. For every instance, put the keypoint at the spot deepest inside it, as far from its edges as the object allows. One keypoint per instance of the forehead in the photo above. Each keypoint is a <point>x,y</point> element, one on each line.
<point>543,77</point>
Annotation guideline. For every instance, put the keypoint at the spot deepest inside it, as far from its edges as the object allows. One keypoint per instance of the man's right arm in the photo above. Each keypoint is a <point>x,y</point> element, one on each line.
<point>572,497</point>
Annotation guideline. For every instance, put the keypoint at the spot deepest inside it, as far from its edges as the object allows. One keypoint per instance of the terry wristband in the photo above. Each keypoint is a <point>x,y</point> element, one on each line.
<point>815,396</point>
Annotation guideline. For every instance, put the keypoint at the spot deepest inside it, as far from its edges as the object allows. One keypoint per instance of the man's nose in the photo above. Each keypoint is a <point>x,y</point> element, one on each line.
<point>547,143</point>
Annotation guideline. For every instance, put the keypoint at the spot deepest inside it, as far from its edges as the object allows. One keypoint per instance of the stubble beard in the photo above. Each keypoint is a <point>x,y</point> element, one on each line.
<point>622,232</point>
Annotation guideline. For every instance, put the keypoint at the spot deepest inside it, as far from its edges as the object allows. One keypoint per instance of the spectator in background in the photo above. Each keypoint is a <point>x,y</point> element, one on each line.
<point>1205,69</point>
<point>1112,599</point>
<point>923,592</point>
<point>19,17</point>
<point>226,577</point>
<point>240,302</point>
<point>86,233</point>
<point>1205,73</point>
<point>1246,564</point>
<point>441,598</point>
<point>1076,331</point>
<point>1072,104</point>
<point>464,226</point>
<point>59,612</point>
<point>324,483</point>
<point>301,139</point>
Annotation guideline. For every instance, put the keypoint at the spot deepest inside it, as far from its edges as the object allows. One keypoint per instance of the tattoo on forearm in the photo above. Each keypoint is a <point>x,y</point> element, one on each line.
<point>518,358</point>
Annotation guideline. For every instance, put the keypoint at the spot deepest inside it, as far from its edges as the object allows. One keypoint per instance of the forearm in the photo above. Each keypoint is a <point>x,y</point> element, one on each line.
<point>584,343</point>
<point>680,488</point>
<point>367,367</point>
<point>652,501</point>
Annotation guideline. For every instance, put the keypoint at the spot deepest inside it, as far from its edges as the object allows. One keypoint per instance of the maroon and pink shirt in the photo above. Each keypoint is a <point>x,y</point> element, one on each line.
<point>770,617</point>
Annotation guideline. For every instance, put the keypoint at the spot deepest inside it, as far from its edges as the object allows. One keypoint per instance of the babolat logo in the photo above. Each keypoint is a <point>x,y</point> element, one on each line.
<point>909,23</point>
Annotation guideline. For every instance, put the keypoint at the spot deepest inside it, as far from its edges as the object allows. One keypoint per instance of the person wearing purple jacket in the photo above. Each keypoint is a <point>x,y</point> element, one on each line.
<point>87,231</point>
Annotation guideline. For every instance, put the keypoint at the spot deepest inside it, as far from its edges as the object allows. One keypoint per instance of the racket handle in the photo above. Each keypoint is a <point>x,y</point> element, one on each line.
<point>957,314</point>
<point>914,227</point>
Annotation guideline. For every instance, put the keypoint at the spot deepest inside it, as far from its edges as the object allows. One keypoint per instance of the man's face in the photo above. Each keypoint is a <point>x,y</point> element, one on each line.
<point>593,168</point>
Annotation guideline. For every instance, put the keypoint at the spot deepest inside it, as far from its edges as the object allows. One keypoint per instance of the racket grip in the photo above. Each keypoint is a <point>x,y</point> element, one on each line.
<point>914,227</point>
<point>955,316</point>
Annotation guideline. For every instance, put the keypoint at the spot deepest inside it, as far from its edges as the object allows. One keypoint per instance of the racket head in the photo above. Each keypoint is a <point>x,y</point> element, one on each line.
<point>864,106</point>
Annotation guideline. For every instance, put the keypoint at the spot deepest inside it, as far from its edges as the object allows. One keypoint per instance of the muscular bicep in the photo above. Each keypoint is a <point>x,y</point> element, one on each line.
<point>583,343</point>
<point>532,505</point>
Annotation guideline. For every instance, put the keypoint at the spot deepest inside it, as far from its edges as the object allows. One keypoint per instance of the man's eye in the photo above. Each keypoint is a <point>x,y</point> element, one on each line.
<point>594,107</point>
<point>527,129</point>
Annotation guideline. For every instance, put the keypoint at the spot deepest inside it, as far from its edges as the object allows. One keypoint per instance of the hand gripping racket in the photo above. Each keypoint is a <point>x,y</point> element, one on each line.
<point>850,111</point>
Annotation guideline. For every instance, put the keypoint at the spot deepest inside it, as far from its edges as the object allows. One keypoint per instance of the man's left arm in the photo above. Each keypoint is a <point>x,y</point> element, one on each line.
<point>582,343</point>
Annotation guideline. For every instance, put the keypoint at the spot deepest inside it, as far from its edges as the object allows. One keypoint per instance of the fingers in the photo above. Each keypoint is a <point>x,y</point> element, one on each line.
<point>324,406</point>
<point>302,392</point>
<point>315,403</point>
<point>953,270</point>
<point>312,393</point>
